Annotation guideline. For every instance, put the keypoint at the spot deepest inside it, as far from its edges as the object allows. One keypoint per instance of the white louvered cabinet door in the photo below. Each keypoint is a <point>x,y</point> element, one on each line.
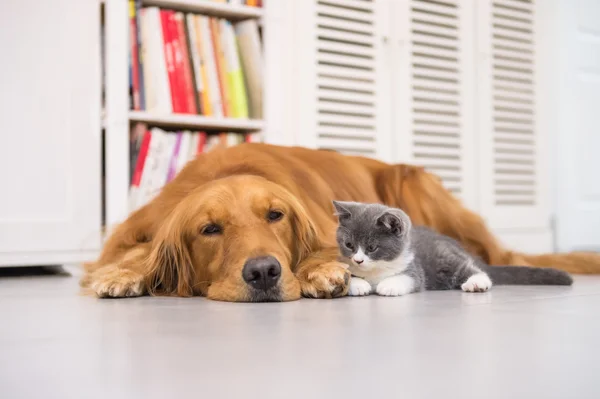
<point>513,185</point>
<point>433,90</point>
<point>342,78</point>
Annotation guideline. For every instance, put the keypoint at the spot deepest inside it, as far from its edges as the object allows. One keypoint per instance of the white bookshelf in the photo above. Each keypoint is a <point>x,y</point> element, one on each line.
<point>223,10</point>
<point>197,122</point>
<point>118,117</point>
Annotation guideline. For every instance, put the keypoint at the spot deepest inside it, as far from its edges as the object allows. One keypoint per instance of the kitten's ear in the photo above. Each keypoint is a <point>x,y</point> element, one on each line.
<point>341,210</point>
<point>394,222</point>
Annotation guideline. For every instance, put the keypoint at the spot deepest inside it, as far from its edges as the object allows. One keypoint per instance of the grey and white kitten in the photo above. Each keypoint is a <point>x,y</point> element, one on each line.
<point>390,257</point>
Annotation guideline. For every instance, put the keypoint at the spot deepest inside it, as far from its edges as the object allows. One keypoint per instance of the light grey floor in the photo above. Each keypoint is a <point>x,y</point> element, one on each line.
<point>513,342</point>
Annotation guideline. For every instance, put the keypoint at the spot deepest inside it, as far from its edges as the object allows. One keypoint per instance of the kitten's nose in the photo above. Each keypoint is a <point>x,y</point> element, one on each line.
<point>359,261</point>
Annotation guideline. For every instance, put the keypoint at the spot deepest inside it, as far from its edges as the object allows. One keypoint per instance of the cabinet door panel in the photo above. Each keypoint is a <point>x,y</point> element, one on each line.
<point>50,149</point>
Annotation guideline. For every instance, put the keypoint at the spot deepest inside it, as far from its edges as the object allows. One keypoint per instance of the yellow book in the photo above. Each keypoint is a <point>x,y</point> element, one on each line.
<point>199,62</point>
<point>221,61</point>
<point>250,52</point>
<point>235,74</point>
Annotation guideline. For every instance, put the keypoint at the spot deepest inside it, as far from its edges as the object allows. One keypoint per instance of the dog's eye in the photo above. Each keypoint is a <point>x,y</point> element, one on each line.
<point>371,248</point>
<point>349,245</point>
<point>211,229</point>
<point>274,216</point>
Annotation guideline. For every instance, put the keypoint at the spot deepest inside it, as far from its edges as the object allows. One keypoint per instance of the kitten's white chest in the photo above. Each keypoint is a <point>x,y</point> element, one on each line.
<point>380,270</point>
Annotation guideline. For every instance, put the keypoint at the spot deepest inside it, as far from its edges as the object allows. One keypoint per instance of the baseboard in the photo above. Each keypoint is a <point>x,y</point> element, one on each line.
<point>46,258</point>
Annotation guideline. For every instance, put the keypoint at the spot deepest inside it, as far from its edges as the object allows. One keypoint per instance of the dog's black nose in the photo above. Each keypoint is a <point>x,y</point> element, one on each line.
<point>261,273</point>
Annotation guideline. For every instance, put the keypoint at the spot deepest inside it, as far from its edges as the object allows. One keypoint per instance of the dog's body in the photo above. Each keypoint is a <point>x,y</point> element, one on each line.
<point>256,222</point>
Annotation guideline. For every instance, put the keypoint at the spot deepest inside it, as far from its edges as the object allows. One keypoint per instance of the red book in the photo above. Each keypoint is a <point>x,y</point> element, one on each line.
<point>165,19</point>
<point>201,142</point>
<point>183,60</point>
<point>177,63</point>
<point>141,159</point>
<point>135,65</point>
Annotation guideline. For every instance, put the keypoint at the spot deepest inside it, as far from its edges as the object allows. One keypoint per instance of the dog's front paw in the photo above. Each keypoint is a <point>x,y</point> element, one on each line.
<point>359,287</point>
<point>479,282</point>
<point>328,280</point>
<point>114,282</point>
<point>396,286</point>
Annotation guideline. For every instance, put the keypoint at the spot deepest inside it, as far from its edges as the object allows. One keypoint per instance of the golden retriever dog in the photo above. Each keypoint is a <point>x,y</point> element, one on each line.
<point>256,222</point>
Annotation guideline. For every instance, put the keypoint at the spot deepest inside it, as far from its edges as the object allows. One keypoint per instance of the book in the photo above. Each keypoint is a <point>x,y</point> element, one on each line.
<point>169,30</point>
<point>136,136</point>
<point>139,167</point>
<point>207,53</point>
<point>138,36</point>
<point>154,175</point>
<point>253,138</point>
<point>133,56</point>
<point>172,171</point>
<point>183,67</point>
<point>235,75</point>
<point>201,143</point>
<point>156,82</point>
<point>193,150</point>
<point>148,172</point>
<point>250,51</point>
<point>220,60</point>
<point>198,72</point>
<point>212,142</point>
<point>184,151</point>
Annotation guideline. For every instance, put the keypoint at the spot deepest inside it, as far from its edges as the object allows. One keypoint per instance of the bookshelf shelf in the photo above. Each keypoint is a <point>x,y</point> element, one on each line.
<point>223,10</point>
<point>196,122</point>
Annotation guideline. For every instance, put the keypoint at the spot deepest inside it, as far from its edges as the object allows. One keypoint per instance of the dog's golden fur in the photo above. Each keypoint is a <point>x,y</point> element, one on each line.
<point>161,250</point>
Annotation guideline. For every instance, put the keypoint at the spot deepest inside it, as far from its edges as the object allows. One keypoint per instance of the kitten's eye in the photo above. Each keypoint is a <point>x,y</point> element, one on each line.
<point>349,245</point>
<point>371,248</point>
<point>274,216</point>
<point>211,229</point>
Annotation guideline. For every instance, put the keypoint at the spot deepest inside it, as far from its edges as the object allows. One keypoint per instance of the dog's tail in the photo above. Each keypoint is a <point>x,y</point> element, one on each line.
<point>572,262</point>
<point>523,275</point>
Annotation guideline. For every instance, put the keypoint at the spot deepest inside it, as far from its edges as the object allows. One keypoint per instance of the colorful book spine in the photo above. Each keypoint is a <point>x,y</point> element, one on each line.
<point>202,137</point>
<point>173,164</point>
<point>182,61</point>
<point>196,65</point>
<point>133,56</point>
<point>156,82</point>
<point>210,64</point>
<point>139,167</point>
<point>193,146</point>
<point>221,66</point>
<point>166,17</point>
<point>235,75</point>
<point>140,58</point>
<point>250,51</point>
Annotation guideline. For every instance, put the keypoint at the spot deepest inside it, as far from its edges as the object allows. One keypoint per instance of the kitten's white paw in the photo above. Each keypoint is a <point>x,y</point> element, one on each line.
<point>479,282</point>
<point>359,287</point>
<point>396,286</point>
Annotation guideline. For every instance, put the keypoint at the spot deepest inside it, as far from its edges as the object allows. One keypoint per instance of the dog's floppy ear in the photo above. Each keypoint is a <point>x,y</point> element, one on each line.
<point>169,265</point>
<point>307,237</point>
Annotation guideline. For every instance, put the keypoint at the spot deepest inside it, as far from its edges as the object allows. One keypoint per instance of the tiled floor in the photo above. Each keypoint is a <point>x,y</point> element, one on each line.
<point>513,342</point>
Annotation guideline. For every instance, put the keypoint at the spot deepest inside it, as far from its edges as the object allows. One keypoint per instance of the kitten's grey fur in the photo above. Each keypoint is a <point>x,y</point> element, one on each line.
<point>391,257</point>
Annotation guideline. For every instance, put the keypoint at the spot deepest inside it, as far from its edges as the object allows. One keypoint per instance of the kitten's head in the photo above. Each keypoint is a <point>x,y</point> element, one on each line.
<point>368,233</point>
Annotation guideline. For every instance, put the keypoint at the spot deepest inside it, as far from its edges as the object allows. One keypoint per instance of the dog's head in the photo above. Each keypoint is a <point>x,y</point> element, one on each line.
<point>234,239</point>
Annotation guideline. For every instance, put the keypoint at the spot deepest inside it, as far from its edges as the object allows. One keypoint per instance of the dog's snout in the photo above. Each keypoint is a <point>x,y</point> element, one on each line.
<point>261,273</point>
